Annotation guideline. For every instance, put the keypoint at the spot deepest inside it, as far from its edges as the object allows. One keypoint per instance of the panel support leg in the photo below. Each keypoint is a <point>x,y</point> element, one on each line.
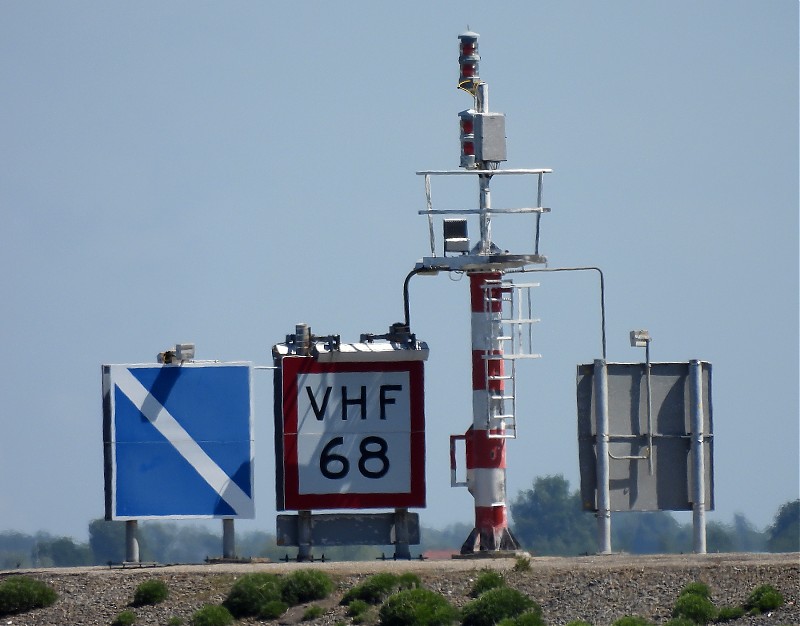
<point>401,545</point>
<point>228,539</point>
<point>131,541</point>
<point>698,459</point>
<point>603,459</point>
<point>304,539</point>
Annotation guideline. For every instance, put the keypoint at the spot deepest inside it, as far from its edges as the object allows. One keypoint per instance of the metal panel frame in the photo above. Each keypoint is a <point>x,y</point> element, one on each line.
<point>631,486</point>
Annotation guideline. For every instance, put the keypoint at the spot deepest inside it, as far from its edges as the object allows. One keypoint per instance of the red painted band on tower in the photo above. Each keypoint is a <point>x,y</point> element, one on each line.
<point>477,293</point>
<point>484,452</point>
<point>491,516</point>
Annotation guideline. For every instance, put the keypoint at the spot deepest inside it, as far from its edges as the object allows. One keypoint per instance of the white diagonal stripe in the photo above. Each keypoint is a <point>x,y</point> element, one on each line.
<point>187,447</point>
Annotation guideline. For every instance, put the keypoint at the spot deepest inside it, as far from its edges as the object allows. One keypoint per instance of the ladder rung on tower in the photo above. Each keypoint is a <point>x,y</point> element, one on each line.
<point>512,340</point>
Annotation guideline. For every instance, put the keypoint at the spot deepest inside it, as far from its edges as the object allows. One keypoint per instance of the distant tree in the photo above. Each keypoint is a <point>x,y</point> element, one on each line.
<point>450,537</point>
<point>720,537</point>
<point>649,532</point>
<point>784,533</point>
<point>259,544</point>
<point>107,541</point>
<point>15,550</point>
<point>156,540</point>
<point>177,542</point>
<point>62,552</point>
<point>549,520</point>
<point>747,537</point>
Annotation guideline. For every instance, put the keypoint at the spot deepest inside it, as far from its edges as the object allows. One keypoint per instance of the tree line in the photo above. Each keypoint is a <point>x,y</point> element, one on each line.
<point>547,519</point>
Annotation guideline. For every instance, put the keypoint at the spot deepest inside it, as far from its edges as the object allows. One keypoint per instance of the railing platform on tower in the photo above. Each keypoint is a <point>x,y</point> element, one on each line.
<point>453,252</point>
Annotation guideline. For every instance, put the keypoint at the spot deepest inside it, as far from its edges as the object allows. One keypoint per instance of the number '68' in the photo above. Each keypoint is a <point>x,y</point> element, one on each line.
<point>334,466</point>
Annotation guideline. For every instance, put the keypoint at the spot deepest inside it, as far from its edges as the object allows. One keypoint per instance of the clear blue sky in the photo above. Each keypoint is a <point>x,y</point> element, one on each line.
<point>217,172</point>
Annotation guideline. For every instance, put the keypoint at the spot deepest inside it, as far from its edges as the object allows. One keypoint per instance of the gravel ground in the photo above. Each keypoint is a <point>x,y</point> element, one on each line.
<point>598,589</point>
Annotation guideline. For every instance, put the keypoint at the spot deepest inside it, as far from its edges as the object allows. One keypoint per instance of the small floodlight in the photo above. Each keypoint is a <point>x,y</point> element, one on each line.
<point>456,238</point>
<point>180,353</point>
<point>640,339</point>
<point>184,351</point>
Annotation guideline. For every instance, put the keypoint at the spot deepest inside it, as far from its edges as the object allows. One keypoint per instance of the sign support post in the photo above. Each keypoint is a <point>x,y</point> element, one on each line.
<point>131,542</point>
<point>603,460</point>
<point>698,459</point>
<point>228,539</point>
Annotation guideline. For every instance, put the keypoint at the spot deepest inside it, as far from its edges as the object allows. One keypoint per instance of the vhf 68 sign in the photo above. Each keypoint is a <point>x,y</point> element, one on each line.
<point>350,435</point>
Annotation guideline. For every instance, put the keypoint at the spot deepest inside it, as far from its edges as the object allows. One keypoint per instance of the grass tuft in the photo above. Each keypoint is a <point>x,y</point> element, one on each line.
<point>497,604</point>
<point>23,593</point>
<point>487,579</point>
<point>150,592</point>
<point>305,585</point>
<point>417,607</point>
<point>762,599</point>
<point>212,615</point>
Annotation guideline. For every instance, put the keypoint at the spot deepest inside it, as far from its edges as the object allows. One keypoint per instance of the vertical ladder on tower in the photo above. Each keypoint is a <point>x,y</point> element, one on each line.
<point>511,339</point>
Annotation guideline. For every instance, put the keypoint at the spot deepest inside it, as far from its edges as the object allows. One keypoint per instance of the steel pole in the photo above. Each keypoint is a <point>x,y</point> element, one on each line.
<point>698,458</point>
<point>131,542</point>
<point>228,539</point>
<point>603,459</point>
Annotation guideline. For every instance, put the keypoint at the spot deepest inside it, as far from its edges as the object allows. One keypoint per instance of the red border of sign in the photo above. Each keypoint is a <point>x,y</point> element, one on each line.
<point>291,366</point>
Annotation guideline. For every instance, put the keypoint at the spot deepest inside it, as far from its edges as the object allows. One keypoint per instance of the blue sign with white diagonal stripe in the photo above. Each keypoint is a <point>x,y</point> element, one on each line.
<point>178,441</point>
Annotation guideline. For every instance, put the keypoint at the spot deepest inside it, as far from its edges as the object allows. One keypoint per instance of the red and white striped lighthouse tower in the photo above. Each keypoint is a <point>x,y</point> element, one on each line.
<point>485,440</point>
<point>483,148</point>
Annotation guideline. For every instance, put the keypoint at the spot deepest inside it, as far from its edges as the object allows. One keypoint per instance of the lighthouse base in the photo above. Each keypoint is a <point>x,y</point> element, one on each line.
<point>491,542</point>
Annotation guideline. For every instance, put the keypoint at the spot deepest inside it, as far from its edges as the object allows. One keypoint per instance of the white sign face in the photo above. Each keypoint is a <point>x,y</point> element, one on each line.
<point>353,432</point>
<point>352,435</point>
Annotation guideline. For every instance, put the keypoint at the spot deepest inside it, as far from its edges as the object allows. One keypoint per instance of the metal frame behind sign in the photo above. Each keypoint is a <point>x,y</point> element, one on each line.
<point>338,452</point>
<point>646,441</point>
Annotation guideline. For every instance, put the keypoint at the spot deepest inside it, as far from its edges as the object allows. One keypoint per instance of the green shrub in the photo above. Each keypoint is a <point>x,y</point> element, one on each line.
<point>273,609</point>
<point>696,588</point>
<point>312,612</point>
<point>377,588</point>
<point>362,618</point>
<point>631,620</point>
<point>522,564</point>
<point>212,615</point>
<point>763,598</point>
<point>417,607</point>
<point>357,607</point>
<point>251,592</point>
<point>579,622</point>
<point>487,579</point>
<point>409,580</point>
<point>680,621</point>
<point>496,604</point>
<point>126,618</point>
<point>730,613</point>
<point>22,593</point>
<point>175,621</point>
<point>305,585</point>
<point>695,607</point>
<point>150,592</point>
<point>526,619</point>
